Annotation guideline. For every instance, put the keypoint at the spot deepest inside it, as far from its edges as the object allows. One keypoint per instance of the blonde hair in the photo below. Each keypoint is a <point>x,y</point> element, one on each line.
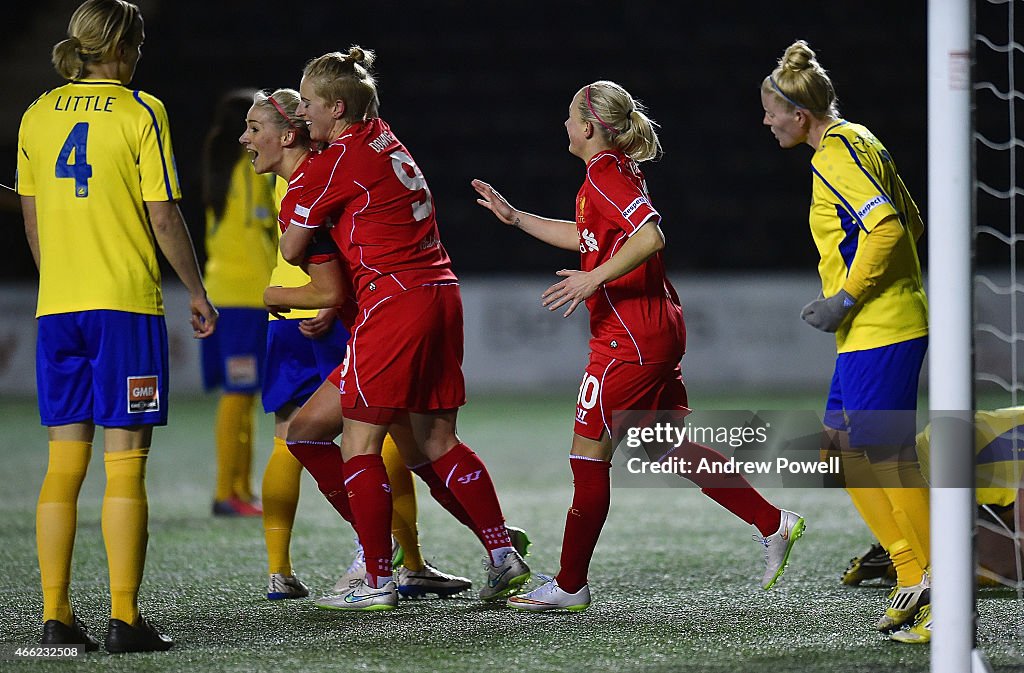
<point>96,30</point>
<point>620,119</point>
<point>346,77</point>
<point>282,115</point>
<point>799,81</point>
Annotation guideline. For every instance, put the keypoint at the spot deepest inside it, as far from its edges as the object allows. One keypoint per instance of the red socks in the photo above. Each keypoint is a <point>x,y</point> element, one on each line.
<point>463,474</point>
<point>443,496</point>
<point>366,481</point>
<point>731,491</point>
<point>592,494</point>
<point>323,461</point>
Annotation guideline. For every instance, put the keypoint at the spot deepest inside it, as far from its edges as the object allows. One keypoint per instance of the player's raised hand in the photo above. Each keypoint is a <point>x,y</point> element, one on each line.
<point>494,202</point>
<point>576,288</point>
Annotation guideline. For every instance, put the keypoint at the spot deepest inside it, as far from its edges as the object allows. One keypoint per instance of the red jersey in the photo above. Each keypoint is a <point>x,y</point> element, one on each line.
<point>367,190</point>
<point>635,318</point>
<point>321,248</point>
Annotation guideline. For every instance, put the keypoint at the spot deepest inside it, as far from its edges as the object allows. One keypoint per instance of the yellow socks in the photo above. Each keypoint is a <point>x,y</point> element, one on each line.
<point>234,446</point>
<point>897,515</point>
<point>280,498</point>
<point>56,522</point>
<point>908,571</point>
<point>125,534</point>
<point>403,504</point>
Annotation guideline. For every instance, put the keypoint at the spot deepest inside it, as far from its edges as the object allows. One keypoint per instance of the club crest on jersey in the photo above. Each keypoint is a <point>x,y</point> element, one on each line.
<point>588,242</point>
<point>143,394</point>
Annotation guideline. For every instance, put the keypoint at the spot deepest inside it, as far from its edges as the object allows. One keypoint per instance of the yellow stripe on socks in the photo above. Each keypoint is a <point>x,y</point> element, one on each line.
<point>280,498</point>
<point>125,533</point>
<point>403,504</point>
<point>234,446</point>
<point>56,523</point>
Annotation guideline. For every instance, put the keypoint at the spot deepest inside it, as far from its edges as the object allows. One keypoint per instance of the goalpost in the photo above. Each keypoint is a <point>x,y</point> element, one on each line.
<point>950,368</point>
<point>953,178</point>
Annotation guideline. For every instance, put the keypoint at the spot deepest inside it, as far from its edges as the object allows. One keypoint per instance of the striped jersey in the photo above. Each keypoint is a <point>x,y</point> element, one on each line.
<point>92,152</point>
<point>856,186</point>
<point>637,317</point>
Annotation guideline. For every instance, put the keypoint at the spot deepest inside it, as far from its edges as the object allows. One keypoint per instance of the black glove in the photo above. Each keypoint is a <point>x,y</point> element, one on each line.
<point>828,313</point>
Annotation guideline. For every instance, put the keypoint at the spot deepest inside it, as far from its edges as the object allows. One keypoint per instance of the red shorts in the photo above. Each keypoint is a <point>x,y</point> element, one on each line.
<point>613,385</point>
<point>405,354</point>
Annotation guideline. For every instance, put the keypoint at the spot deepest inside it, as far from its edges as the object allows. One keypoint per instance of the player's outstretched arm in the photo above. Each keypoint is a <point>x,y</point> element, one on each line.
<point>648,240</point>
<point>559,233</point>
<point>176,244</point>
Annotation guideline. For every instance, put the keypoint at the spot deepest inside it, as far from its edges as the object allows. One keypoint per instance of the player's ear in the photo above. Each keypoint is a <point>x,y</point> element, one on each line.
<point>339,109</point>
<point>289,137</point>
<point>588,130</point>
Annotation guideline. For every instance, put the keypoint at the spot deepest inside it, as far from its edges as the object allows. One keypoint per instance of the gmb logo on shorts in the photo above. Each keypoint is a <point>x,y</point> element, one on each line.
<point>143,394</point>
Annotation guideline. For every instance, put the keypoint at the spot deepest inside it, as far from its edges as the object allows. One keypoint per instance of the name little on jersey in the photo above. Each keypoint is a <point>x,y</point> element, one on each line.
<point>84,103</point>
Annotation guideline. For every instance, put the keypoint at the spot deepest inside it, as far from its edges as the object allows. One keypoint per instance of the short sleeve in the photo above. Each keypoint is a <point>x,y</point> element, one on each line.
<point>325,191</point>
<point>24,183</point>
<point>156,157</point>
<point>619,198</point>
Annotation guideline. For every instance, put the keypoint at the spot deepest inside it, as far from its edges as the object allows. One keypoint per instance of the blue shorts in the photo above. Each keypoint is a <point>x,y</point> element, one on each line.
<point>296,365</point>
<point>874,394</point>
<point>104,367</point>
<point>233,355</point>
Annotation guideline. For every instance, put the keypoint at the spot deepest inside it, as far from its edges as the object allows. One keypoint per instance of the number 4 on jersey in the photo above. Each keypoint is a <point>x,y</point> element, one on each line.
<point>81,170</point>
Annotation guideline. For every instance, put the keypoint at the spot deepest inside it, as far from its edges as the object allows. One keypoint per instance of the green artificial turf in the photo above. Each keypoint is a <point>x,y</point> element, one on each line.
<point>675,577</point>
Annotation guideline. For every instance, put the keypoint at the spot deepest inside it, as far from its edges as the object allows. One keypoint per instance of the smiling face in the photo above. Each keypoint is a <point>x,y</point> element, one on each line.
<point>263,140</point>
<point>789,125</point>
<point>319,115</point>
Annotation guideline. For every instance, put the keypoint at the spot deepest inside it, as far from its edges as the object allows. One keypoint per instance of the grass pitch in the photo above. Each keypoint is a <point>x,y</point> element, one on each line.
<point>675,577</point>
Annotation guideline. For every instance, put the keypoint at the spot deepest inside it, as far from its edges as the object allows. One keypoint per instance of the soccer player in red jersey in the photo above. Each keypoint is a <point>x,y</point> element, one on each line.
<point>637,333</point>
<point>403,370</point>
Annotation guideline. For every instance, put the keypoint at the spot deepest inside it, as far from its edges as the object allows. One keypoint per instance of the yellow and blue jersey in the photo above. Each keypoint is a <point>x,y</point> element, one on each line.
<point>855,187</point>
<point>999,454</point>
<point>91,153</point>
<point>241,245</point>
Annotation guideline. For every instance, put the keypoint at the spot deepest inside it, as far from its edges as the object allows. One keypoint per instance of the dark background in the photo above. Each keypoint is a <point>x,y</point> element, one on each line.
<point>480,89</point>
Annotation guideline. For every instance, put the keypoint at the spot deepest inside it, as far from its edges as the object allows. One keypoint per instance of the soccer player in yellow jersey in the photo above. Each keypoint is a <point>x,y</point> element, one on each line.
<point>241,247</point>
<point>99,193</point>
<point>865,226</point>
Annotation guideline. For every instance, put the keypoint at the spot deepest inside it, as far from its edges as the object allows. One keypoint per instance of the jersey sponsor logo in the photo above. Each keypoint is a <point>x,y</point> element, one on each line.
<point>588,242</point>
<point>871,205</point>
<point>143,394</point>
<point>632,208</point>
<point>241,370</point>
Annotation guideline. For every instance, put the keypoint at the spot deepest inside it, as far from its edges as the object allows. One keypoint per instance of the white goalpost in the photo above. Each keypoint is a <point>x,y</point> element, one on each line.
<point>950,369</point>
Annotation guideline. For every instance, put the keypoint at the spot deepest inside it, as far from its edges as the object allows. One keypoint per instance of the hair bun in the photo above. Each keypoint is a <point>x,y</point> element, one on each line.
<point>363,57</point>
<point>798,56</point>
